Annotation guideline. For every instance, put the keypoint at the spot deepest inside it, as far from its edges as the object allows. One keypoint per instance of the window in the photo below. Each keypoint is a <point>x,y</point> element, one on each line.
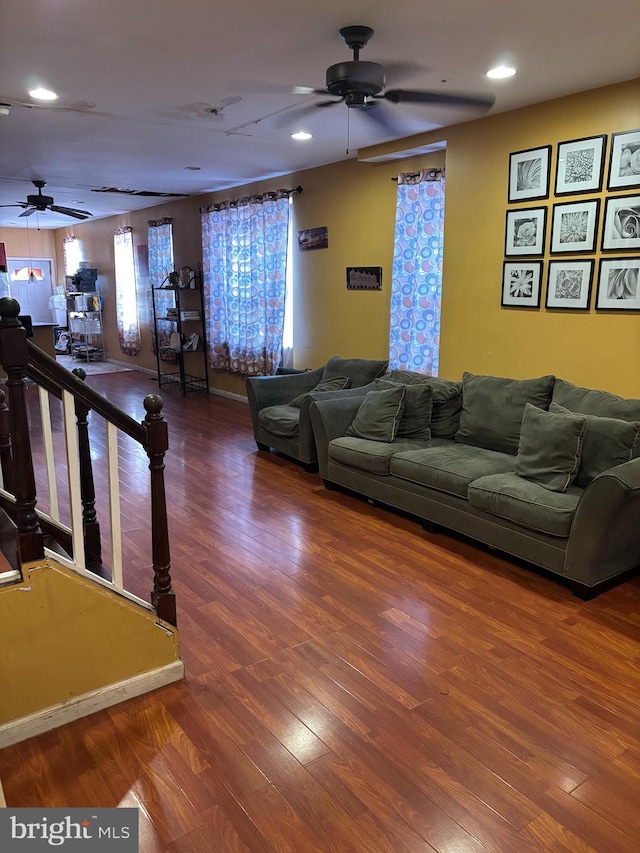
<point>72,249</point>
<point>416,287</point>
<point>160,249</point>
<point>126,294</point>
<point>244,248</point>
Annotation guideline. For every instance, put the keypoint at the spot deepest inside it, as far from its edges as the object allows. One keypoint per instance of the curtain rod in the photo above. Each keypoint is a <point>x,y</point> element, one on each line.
<point>431,173</point>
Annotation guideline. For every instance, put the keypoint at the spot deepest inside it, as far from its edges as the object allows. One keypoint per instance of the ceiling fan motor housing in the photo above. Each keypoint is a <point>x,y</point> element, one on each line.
<point>40,201</point>
<point>356,78</point>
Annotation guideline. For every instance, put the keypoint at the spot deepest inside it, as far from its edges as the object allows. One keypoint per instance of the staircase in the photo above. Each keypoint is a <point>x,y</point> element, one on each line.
<point>75,637</point>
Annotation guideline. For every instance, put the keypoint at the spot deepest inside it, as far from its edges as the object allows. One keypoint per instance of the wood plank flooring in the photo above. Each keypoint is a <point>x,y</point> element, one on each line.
<point>353,684</point>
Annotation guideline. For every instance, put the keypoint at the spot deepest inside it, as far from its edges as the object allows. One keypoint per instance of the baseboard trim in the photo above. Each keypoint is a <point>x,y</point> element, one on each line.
<point>220,393</point>
<point>50,718</point>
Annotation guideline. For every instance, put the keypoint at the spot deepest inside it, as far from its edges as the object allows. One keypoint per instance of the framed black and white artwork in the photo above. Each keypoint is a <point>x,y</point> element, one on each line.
<point>624,161</point>
<point>529,174</point>
<point>569,284</point>
<point>521,284</point>
<point>621,230</point>
<point>525,231</point>
<point>618,284</point>
<point>580,165</point>
<point>574,226</point>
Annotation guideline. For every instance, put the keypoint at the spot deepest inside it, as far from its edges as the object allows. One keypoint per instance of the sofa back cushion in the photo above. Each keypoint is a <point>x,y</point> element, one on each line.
<point>416,415</point>
<point>379,415</point>
<point>493,408</point>
<point>589,401</point>
<point>359,370</point>
<point>607,442</point>
<point>446,399</point>
<point>550,447</point>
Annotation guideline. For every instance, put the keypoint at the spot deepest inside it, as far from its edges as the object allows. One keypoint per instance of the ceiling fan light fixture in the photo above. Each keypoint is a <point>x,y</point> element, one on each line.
<point>42,94</point>
<point>501,72</point>
<point>302,135</point>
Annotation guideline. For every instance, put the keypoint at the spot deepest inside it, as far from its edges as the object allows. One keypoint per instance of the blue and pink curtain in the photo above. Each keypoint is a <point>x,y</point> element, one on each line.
<point>416,288</point>
<point>160,251</point>
<point>244,250</point>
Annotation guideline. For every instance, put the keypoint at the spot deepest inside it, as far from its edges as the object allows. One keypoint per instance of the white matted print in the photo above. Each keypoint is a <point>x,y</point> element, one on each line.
<point>569,284</point>
<point>624,163</point>
<point>621,231</point>
<point>580,165</point>
<point>525,231</point>
<point>521,283</point>
<point>574,226</point>
<point>618,284</point>
<point>529,174</point>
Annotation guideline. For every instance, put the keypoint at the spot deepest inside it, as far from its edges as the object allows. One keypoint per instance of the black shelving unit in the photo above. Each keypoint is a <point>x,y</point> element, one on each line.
<point>187,368</point>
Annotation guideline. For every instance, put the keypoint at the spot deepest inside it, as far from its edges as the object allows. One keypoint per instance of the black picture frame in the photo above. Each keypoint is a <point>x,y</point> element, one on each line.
<point>580,165</point>
<point>525,232</point>
<point>521,284</point>
<point>529,173</point>
<point>569,284</point>
<point>618,284</point>
<point>621,225</point>
<point>624,160</point>
<point>577,220</point>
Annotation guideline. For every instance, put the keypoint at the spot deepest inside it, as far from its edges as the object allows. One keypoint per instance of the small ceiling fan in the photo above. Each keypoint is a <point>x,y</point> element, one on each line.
<point>40,203</point>
<point>361,85</point>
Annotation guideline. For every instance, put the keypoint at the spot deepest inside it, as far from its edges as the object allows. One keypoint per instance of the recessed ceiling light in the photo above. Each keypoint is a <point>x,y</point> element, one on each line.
<point>301,134</point>
<point>500,72</point>
<point>43,94</point>
<point>193,168</point>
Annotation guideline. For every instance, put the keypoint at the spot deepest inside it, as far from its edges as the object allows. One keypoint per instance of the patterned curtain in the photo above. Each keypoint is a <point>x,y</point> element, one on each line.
<point>126,295</point>
<point>244,248</point>
<point>72,251</point>
<point>416,287</point>
<point>160,248</point>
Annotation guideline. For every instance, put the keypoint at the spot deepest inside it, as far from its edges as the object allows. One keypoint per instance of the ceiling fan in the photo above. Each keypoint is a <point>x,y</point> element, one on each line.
<point>361,85</point>
<point>40,203</point>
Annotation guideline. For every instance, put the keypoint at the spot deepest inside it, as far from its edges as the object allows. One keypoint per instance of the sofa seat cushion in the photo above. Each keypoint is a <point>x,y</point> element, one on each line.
<point>366,455</point>
<point>492,409</point>
<point>280,420</point>
<point>526,503</point>
<point>449,467</point>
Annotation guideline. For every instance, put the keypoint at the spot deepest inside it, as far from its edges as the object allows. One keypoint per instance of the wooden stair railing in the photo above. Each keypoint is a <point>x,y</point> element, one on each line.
<point>20,358</point>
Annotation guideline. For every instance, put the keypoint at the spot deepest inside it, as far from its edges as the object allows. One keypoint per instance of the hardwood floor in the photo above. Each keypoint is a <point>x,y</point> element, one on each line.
<point>353,684</point>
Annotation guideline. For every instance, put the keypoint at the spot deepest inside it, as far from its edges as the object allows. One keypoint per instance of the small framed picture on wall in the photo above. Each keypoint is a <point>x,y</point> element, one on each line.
<point>580,165</point>
<point>621,231</point>
<point>521,284</point>
<point>569,284</point>
<point>574,226</point>
<point>618,284</point>
<point>624,162</point>
<point>529,174</point>
<point>525,231</point>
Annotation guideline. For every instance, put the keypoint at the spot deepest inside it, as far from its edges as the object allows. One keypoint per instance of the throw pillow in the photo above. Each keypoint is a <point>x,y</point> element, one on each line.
<point>492,409</point>
<point>550,447</point>
<point>338,383</point>
<point>379,415</point>
<point>607,442</point>
<point>416,416</point>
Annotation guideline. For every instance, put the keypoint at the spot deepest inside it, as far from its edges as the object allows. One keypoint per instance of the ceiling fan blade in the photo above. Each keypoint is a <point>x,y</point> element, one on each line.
<point>17,204</point>
<point>397,72</point>
<point>69,211</point>
<point>29,211</point>
<point>416,96</point>
<point>328,103</point>
<point>378,113</point>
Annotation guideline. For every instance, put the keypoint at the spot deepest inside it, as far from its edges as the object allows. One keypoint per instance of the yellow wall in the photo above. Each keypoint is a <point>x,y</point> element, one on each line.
<point>63,636</point>
<point>356,201</point>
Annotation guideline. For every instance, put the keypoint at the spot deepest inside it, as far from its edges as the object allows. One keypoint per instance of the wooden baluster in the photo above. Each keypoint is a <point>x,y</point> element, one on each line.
<point>90,525</point>
<point>6,457</point>
<point>13,356</point>
<point>157,442</point>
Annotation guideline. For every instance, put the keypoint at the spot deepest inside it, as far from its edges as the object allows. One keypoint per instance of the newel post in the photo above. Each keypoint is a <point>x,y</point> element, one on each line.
<point>90,526</point>
<point>13,356</point>
<point>157,443</point>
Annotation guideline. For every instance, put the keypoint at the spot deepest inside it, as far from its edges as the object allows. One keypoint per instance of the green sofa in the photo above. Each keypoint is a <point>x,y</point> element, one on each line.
<point>539,469</point>
<point>285,427</point>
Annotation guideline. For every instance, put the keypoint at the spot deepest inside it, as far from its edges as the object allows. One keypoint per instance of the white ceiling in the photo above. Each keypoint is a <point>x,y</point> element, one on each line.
<point>137,81</point>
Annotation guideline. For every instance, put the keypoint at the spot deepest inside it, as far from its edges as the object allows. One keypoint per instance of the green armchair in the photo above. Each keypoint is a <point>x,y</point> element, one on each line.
<point>287,428</point>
